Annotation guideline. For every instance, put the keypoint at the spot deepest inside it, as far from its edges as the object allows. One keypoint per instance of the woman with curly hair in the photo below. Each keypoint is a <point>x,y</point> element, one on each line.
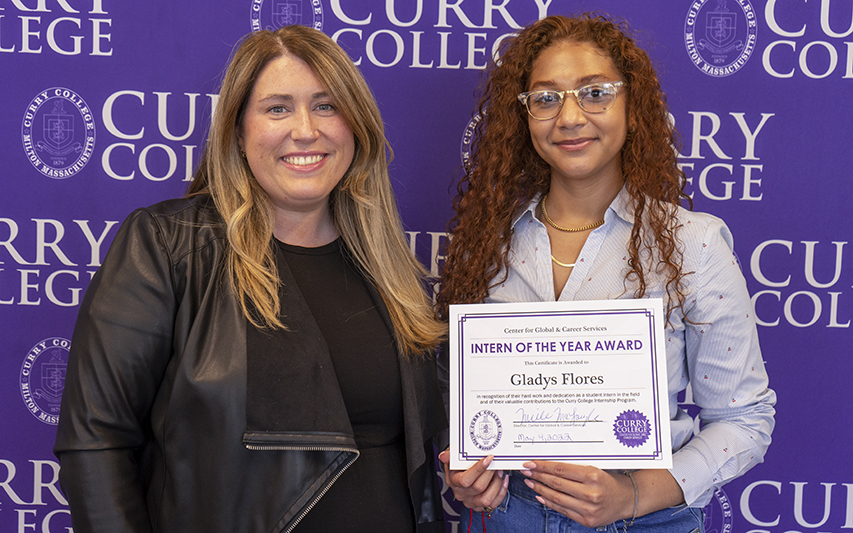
<point>572,192</point>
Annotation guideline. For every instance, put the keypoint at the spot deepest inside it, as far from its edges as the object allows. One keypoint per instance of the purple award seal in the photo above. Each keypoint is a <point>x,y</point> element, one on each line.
<point>632,428</point>
<point>485,430</point>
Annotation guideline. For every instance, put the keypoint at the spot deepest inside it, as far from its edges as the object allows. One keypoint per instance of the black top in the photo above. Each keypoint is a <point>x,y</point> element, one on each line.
<point>372,495</point>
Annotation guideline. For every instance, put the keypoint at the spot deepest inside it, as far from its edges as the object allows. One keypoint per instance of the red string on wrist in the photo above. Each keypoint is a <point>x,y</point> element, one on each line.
<point>471,519</point>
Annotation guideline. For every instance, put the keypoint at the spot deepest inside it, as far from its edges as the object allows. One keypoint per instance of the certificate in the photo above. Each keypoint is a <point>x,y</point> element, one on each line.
<point>580,382</point>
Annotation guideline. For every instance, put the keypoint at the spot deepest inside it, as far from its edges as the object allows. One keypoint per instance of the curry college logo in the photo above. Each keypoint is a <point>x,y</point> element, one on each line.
<point>467,137</point>
<point>718,514</point>
<point>720,35</point>
<point>43,378</point>
<point>58,132</point>
<point>485,430</point>
<point>274,14</point>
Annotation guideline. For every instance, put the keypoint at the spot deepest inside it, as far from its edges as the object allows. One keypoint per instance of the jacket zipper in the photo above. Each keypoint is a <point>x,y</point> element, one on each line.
<point>328,486</point>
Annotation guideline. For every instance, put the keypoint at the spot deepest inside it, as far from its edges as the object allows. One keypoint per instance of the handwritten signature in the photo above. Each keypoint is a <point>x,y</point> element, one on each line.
<point>558,415</point>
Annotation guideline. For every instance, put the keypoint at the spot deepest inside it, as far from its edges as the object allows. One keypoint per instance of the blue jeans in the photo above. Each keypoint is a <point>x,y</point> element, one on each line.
<point>520,512</point>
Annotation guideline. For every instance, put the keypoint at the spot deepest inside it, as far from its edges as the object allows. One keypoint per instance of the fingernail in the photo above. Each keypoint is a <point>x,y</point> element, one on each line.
<point>506,481</point>
<point>540,500</point>
<point>527,473</point>
<point>488,460</point>
<point>528,483</point>
<point>530,466</point>
<point>500,473</point>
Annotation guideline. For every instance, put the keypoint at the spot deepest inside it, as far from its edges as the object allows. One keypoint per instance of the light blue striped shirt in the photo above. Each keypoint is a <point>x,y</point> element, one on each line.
<point>717,352</point>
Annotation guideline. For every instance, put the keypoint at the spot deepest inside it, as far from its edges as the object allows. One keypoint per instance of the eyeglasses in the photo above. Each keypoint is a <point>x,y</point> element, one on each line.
<point>593,98</point>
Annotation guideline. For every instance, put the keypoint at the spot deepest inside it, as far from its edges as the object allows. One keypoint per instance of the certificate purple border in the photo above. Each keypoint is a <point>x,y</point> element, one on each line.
<point>650,315</point>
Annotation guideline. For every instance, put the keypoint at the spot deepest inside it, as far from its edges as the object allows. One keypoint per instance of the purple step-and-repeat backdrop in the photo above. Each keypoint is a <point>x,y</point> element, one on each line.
<point>105,105</point>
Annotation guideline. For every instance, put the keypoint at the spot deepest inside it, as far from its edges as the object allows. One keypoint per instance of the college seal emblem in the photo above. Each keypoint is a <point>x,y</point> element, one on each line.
<point>467,137</point>
<point>43,378</point>
<point>58,133</point>
<point>720,35</point>
<point>485,430</point>
<point>719,517</point>
<point>275,14</point>
<point>632,428</point>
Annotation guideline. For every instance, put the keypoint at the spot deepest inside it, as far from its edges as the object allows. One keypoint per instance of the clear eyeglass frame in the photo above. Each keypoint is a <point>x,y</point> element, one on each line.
<point>581,93</point>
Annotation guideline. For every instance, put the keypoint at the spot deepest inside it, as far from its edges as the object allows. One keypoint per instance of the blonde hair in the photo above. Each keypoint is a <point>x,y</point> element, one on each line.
<point>362,204</point>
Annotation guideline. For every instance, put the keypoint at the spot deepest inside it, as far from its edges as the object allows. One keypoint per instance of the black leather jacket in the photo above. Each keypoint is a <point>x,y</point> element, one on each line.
<point>152,433</point>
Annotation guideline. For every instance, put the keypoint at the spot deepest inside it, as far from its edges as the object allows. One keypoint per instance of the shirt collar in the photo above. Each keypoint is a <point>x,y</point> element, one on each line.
<point>620,206</point>
<point>527,212</point>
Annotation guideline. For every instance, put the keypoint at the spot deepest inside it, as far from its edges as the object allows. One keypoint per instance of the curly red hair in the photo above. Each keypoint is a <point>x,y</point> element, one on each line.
<point>504,172</point>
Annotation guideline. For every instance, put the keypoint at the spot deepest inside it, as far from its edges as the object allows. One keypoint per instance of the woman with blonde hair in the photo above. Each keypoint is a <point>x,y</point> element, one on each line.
<point>257,356</point>
<point>573,192</point>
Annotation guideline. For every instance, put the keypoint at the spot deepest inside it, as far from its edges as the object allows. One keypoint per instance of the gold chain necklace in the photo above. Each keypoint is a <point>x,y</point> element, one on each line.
<point>564,265</point>
<point>567,230</point>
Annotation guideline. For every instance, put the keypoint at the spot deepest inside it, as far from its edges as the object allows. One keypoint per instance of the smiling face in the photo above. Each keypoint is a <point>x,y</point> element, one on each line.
<point>297,144</point>
<point>576,144</point>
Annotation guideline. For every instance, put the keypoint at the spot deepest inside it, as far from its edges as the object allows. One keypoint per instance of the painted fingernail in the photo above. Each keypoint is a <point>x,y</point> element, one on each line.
<point>531,466</point>
<point>488,460</point>
<point>528,483</point>
<point>540,500</point>
<point>527,473</point>
<point>506,481</point>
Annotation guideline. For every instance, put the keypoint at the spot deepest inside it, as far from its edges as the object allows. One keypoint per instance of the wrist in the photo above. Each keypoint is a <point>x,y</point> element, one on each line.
<point>657,489</point>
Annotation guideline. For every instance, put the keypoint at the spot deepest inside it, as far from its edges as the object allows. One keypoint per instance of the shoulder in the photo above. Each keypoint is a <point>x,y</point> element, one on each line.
<point>702,230</point>
<point>708,248</point>
<point>182,225</point>
<point>196,210</point>
<point>695,231</point>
